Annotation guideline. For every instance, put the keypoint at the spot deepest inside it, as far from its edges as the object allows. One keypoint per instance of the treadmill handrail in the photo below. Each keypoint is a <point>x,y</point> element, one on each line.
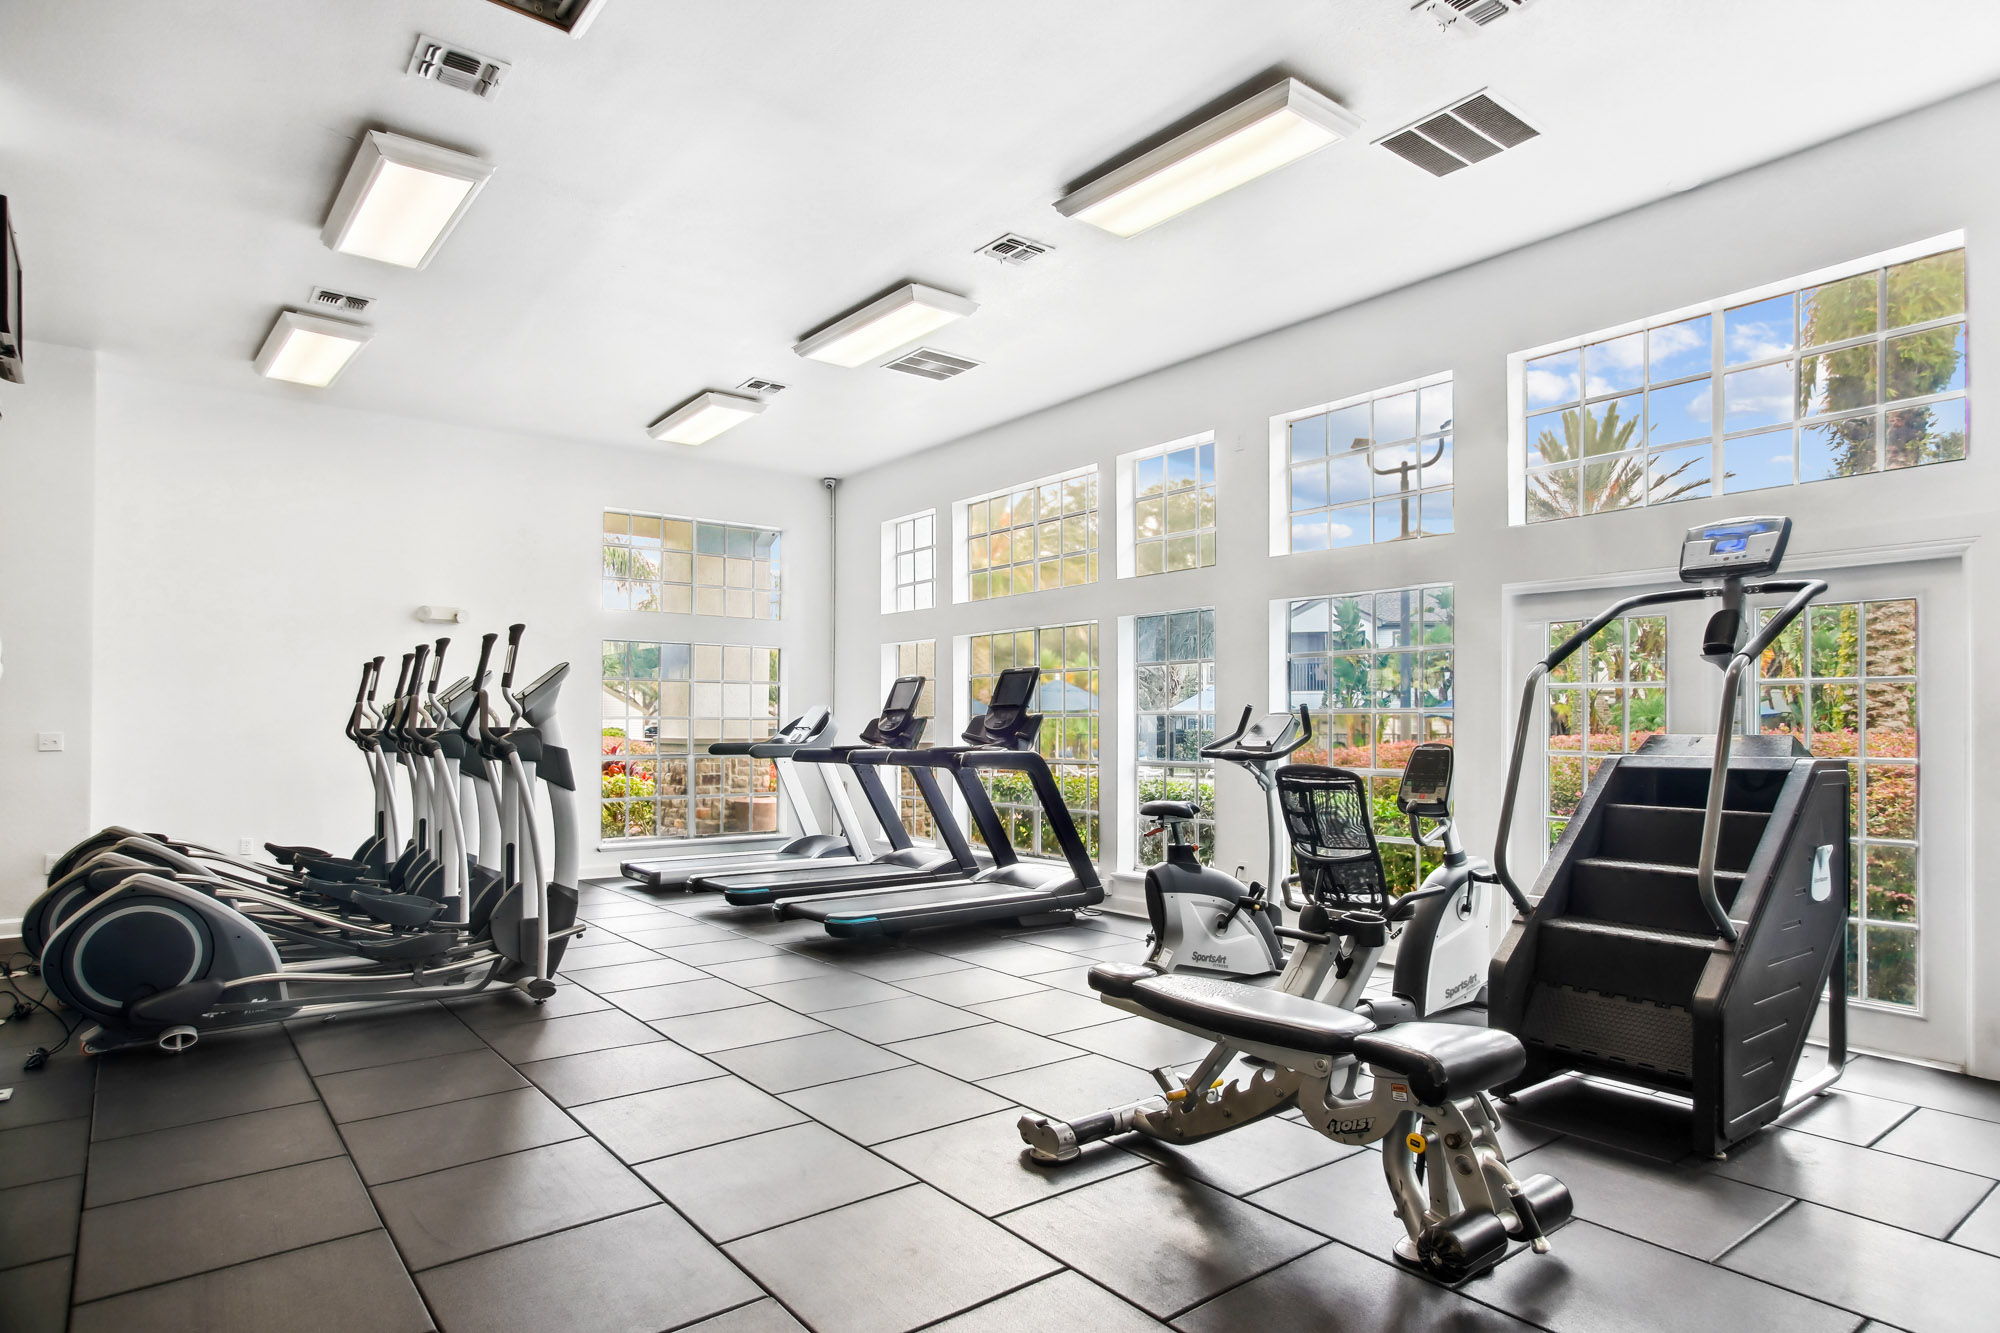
<point>1054,810</point>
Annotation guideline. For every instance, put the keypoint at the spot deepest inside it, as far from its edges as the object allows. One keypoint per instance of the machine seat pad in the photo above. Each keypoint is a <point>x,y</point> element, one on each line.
<point>1442,1061</point>
<point>1233,1010</point>
<point>1170,810</point>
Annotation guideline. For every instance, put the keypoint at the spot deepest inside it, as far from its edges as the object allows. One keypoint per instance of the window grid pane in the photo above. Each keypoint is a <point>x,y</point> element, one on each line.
<point>1068,701</point>
<point>1173,508</point>
<point>917,658</point>
<point>663,704</point>
<point>1866,373</point>
<point>1843,680</point>
<point>1609,698</point>
<point>1377,468</point>
<point>1377,671</point>
<point>1039,535</point>
<point>683,566</point>
<point>913,561</point>
<point>1174,714</point>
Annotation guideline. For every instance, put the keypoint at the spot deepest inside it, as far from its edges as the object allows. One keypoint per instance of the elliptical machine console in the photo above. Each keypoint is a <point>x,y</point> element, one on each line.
<point>1203,918</point>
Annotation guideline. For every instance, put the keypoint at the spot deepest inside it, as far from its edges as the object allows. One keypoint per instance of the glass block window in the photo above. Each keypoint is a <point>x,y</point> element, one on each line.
<point>1376,670</point>
<point>1845,684</point>
<point>663,704</point>
<point>1173,665</point>
<point>1173,507</point>
<point>1609,698</point>
<point>684,566</point>
<point>1844,376</point>
<point>1068,701</point>
<point>916,658</point>
<point>1041,535</point>
<point>1371,469</point>
<point>911,550</point>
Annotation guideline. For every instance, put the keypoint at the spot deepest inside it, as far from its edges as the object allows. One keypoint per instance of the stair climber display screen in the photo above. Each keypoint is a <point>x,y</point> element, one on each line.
<point>1741,547</point>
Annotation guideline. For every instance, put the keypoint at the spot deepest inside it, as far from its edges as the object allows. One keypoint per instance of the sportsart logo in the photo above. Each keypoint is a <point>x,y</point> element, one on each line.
<point>1463,988</point>
<point>1212,959</point>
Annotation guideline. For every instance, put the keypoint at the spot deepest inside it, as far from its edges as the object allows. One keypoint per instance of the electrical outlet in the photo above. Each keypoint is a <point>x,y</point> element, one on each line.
<point>247,846</point>
<point>48,742</point>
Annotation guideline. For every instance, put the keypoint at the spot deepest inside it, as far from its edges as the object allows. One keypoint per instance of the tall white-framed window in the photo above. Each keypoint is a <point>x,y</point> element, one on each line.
<point>1173,706</point>
<point>1844,682</point>
<point>1031,537</point>
<point>1068,700</point>
<point>1376,670</point>
<point>1376,467</point>
<point>1851,370</point>
<point>918,657</point>
<point>663,704</point>
<point>1609,698</point>
<point>682,566</point>
<point>1167,494</point>
<point>909,563</point>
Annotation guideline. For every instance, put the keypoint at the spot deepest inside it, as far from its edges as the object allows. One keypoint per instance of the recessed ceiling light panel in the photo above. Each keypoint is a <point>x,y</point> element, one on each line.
<point>704,417</point>
<point>401,198</point>
<point>1276,127</point>
<point>310,350</point>
<point>904,316</point>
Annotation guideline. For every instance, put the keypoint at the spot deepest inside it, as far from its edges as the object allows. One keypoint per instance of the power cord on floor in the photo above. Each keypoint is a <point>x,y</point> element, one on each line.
<point>24,1006</point>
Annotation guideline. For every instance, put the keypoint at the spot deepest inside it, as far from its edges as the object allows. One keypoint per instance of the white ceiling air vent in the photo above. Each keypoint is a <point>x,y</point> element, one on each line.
<point>931,364</point>
<point>762,388</point>
<point>1014,249</point>
<point>456,67</point>
<point>1470,131</point>
<point>571,16</point>
<point>325,300</point>
<point>1474,13</point>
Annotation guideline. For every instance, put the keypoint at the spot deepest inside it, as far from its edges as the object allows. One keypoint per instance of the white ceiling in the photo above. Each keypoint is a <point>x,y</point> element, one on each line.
<point>691,186</point>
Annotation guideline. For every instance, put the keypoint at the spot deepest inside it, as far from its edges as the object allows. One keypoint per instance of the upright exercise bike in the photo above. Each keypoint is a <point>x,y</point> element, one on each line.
<point>1203,918</point>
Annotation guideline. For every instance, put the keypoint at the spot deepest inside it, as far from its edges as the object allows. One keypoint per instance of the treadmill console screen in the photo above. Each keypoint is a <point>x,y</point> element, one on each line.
<point>1426,786</point>
<point>1270,732</point>
<point>1736,547</point>
<point>903,694</point>
<point>1015,687</point>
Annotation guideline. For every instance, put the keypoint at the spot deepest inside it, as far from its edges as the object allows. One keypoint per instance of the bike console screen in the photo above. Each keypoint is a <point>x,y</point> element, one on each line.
<point>1426,787</point>
<point>1736,547</point>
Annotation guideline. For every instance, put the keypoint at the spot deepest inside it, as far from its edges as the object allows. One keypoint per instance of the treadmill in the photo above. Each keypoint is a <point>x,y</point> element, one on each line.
<point>886,740</point>
<point>809,730</point>
<point>1010,888</point>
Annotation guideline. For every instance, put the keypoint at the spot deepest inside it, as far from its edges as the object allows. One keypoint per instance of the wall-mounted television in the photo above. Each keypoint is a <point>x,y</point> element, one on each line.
<point>10,299</point>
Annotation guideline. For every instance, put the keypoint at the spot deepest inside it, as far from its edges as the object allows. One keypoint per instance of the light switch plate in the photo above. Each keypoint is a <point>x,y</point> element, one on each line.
<point>48,742</point>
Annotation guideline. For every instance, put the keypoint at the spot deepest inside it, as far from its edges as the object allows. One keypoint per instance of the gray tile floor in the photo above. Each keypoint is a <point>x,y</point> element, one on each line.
<point>726,1124</point>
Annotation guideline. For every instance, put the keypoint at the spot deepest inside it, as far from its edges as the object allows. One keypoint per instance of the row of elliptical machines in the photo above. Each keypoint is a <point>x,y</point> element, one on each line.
<point>156,940</point>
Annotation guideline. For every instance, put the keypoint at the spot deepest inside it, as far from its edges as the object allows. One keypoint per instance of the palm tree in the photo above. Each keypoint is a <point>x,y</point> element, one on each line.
<point>1607,482</point>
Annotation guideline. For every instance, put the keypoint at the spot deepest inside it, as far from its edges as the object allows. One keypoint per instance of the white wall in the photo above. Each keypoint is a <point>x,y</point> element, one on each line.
<point>254,548</point>
<point>46,470</point>
<point>1896,183</point>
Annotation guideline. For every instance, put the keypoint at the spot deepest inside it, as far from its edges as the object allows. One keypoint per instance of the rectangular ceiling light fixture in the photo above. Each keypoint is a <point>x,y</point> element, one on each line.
<point>401,198</point>
<point>704,417</point>
<point>310,350</point>
<point>1276,127</point>
<point>904,316</point>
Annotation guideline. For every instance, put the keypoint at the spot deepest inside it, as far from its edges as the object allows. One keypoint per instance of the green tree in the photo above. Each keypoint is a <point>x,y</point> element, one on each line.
<point>1925,289</point>
<point>1591,437</point>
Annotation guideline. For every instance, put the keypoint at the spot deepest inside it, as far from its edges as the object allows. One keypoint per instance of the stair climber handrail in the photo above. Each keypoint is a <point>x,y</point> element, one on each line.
<point>1803,591</point>
<point>1556,658</point>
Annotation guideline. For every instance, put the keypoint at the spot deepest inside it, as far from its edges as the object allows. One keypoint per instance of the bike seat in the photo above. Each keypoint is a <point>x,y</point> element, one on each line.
<point>1170,809</point>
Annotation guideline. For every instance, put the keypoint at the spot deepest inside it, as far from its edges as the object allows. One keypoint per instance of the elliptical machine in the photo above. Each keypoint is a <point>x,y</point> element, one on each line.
<point>1203,918</point>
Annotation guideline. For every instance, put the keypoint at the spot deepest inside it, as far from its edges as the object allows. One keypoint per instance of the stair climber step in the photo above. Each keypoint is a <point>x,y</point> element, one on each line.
<point>1671,835</point>
<point>1612,1032</point>
<point>1657,966</point>
<point>1647,895</point>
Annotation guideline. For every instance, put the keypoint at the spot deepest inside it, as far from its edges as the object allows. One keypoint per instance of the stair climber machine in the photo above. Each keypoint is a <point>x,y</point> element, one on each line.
<point>1304,1042</point>
<point>166,945</point>
<point>1695,908</point>
<point>1202,918</point>
<point>809,731</point>
<point>889,736</point>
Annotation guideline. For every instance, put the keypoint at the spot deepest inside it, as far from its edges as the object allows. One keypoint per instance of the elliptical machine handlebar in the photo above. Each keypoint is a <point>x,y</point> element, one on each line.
<point>477,713</point>
<point>1227,749</point>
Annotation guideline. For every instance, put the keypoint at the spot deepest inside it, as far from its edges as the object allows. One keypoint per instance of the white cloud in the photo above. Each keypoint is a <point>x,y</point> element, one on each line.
<point>1340,529</point>
<point>1548,386</point>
